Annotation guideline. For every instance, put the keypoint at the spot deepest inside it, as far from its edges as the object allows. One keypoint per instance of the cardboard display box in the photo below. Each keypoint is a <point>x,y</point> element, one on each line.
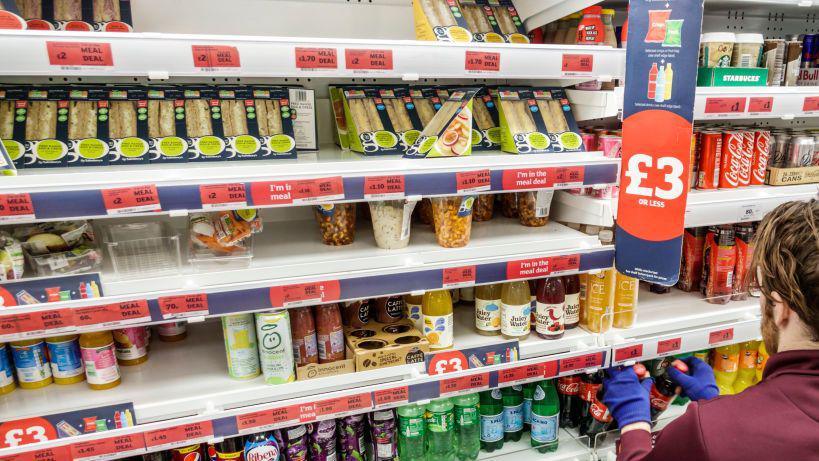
<point>323,370</point>
<point>792,176</point>
<point>379,345</point>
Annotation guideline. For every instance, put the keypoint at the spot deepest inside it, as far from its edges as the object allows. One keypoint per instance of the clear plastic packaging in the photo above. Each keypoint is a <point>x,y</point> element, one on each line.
<point>59,248</point>
<point>83,258</point>
<point>391,222</point>
<point>453,220</point>
<point>222,240</point>
<point>509,205</point>
<point>336,223</point>
<point>425,212</point>
<point>484,207</point>
<point>143,248</point>
<point>533,207</point>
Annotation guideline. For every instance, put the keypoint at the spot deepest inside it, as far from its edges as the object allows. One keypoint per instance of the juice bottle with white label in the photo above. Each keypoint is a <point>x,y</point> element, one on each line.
<point>487,309</point>
<point>599,299</point>
<point>625,300</point>
<point>173,332</point>
<point>516,307</point>
<point>413,305</point>
<point>66,360</point>
<point>438,319</point>
<point>99,356</point>
<point>31,361</point>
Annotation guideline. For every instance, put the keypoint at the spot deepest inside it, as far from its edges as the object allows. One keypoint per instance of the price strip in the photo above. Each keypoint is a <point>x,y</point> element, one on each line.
<point>305,294</point>
<point>177,307</point>
<point>319,190</point>
<point>272,193</point>
<point>811,104</point>
<point>343,406</point>
<point>307,412</point>
<point>112,315</point>
<point>16,207</point>
<point>56,321</point>
<point>395,396</point>
<point>519,375</point>
<point>668,346</point>
<point>220,196</point>
<point>79,55</point>
<point>183,434</point>
<point>760,105</point>
<point>725,105</point>
<point>569,176</point>
<point>720,336</point>
<point>749,212</point>
<point>122,446</point>
<point>577,64</point>
<point>542,267</point>
<point>464,384</point>
<point>459,277</point>
<point>482,61</point>
<point>384,187</point>
<point>529,178</point>
<point>316,58</point>
<point>368,60</point>
<point>135,199</point>
<point>628,353</point>
<point>266,420</point>
<point>15,325</point>
<point>210,58</point>
<point>468,182</point>
<point>45,454</point>
<point>581,362</point>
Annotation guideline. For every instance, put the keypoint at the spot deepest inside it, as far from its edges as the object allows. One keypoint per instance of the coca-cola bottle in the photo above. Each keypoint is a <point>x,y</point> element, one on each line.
<point>599,419</point>
<point>571,407</point>
<point>590,386</point>
<point>663,392</point>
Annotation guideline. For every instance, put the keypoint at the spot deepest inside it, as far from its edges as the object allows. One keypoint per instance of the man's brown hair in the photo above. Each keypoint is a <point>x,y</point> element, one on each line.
<point>787,254</point>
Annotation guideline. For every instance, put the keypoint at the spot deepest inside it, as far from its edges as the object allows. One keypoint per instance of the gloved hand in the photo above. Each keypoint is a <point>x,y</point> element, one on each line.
<point>700,384</point>
<point>626,396</point>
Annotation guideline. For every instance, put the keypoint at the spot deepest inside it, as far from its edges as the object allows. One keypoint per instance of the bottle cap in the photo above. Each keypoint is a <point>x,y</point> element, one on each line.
<point>680,365</point>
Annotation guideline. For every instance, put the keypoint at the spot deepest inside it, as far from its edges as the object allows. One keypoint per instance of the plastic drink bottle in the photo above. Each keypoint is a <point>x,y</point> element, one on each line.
<point>660,90</point>
<point>491,420</point>
<point>131,345</point>
<point>411,433</point>
<point>545,415</point>
<point>413,304</point>
<point>467,426</point>
<point>99,356</point>
<point>438,319</point>
<point>31,362</point>
<point>761,360</point>
<point>599,298</point>
<point>571,406</point>
<point>652,81</point>
<point>726,366</point>
<point>516,306</point>
<point>590,386</point>
<point>440,430</point>
<point>704,355</point>
<point>663,391</point>
<point>512,413</point>
<point>681,399</point>
<point>571,314</point>
<point>582,313</point>
<point>528,393</point>
<point>625,300</point>
<point>65,358</point>
<point>487,309</point>
<point>382,435</point>
<point>746,374</point>
<point>551,304</point>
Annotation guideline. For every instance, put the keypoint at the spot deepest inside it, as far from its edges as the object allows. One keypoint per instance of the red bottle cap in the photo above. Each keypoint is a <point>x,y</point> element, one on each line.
<point>680,365</point>
<point>640,370</point>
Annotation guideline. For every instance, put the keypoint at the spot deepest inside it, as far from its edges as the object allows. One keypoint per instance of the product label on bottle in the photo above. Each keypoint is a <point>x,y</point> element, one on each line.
<point>393,308</point>
<point>415,314</point>
<point>100,364</point>
<point>726,363</point>
<point>440,422</point>
<point>466,416</point>
<point>412,426</point>
<point>31,363</point>
<point>658,401</point>
<point>173,328</point>
<point>513,418</point>
<point>487,314</point>
<point>438,330</point>
<point>6,371</point>
<point>571,313</point>
<point>544,428</point>
<point>132,343</point>
<point>334,342</point>
<point>549,319</point>
<point>515,319</point>
<point>492,428</point>
<point>527,410</point>
<point>748,359</point>
<point>569,385</point>
<point>306,344</point>
<point>65,359</point>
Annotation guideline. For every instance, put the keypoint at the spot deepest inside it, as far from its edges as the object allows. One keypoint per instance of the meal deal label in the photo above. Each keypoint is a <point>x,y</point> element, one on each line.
<point>316,58</point>
<point>464,385</point>
<point>522,374</point>
<point>725,105</point>
<point>581,362</point>
<point>209,58</point>
<point>184,434</point>
<point>468,182</point>
<point>542,267</point>
<point>811,104</point>
<point>482,61</point>
<point>16,207</point>
<point>530,178</point>
<point>384,187</point>
<point>343,406</point>
<point>135,199</point>
<point>122,446</point>
<point>75,54</point>
<point>15,325</point>
<point>658,113</point>
<point>395,396</point>
<point>220,196</point>
<point>46,454</point>
<point>459,277</point>
<point>177,307</point>
<point>368,60</point>
<point>264,420</point>
<point>577,64</point>
<point>111,315</point>
<point>305,293</point>
<point>318,190</point>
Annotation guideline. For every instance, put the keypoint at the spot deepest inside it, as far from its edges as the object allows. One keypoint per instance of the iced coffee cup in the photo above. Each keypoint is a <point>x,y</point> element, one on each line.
<point>747,50</point>
<point>716,49</point>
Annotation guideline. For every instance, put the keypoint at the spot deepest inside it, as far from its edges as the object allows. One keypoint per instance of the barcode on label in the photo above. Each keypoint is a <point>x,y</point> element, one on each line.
<point>299,95</point>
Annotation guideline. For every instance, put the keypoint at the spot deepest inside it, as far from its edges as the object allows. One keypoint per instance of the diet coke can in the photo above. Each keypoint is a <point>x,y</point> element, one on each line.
<point>800,152</point>
<point>747,160</point>
<point>762,149</point>
<point>733,145</point>
<point>779,149</point>
<point>710,159</point>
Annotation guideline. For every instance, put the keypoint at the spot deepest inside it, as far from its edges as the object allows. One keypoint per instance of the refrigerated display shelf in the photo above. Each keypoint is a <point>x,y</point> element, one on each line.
<point>784,102</point>
<point>569,449</point>
<point>590,105</point>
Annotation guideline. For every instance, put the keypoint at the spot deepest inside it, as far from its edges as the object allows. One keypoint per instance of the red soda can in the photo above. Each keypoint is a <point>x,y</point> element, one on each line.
<point>744,239</point>
<point>189,453</point>
<point>718,263</point>
<point>733,145</point>
<point>693,168</point>
<point>747,159</point>
<point>612,146</point>
<point>762,150</point>
<point>691,262</point>
<point>710,159</point>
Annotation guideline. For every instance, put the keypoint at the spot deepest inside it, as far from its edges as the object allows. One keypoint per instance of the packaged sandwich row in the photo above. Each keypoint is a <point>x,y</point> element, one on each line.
<point>73,15</point>
<point>451,121</point>
<point>491,21</point>
<point>55,126</point>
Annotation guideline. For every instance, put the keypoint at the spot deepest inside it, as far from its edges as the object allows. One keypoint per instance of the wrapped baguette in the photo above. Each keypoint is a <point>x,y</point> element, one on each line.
<point>106,10</point>
<point>68,10</point>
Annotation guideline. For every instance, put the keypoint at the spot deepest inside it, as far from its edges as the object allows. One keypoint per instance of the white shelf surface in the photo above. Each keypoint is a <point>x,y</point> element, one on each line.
<point>569,449</point>
<point>590,105</point>
<point>722,206</point>
<point>786,102</point>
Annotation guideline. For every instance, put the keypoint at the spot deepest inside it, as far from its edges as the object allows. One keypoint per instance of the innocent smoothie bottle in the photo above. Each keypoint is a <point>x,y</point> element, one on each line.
<point>98,353</point>
<point>516,307</point>
<point>66,361</point>
<point>487,309</point>
<point>31,361</point>
<point>438,322</point>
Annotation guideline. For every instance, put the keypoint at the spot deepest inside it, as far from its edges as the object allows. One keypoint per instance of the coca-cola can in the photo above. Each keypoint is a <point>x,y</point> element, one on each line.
<point>762,149</point>
<point>733,145</point>
<point>611,145</point>
<point>779,149</point>
<point>747,160</point>
<point>710,159</point>
<point>589,141</point>
<point>800,152</point>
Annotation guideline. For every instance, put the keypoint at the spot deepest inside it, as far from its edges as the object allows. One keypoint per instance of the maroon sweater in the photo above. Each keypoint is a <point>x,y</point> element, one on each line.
<point>778,419</point>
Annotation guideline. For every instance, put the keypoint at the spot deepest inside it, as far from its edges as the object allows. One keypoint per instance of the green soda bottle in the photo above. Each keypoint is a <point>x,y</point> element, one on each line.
<point>512,413</point>
<point>440,430</point>
<point>411,433</point>
<point>467,426</point>
<point>491,420</point>
<point>545,415</point>
<point>528,392</point>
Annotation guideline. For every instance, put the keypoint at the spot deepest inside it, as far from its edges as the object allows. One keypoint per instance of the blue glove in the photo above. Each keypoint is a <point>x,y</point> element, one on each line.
<point>627,397</point>
<point>700,385</point>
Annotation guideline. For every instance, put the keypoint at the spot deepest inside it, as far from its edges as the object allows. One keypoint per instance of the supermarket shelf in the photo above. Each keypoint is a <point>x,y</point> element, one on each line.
<point>77,192</point>
<point>590,105</point>
<point>536,13</point>
<point>569,449</point>
<point>724,206</point>
<point>291,259</point>
<point>760,6</point>
<point>583,209</point>
<point>162,56</point>
<point>785,102</point>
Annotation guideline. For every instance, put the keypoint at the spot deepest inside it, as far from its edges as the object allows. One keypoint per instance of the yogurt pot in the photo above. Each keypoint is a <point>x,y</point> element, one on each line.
<point>747,50</point>
<point>716,49</point>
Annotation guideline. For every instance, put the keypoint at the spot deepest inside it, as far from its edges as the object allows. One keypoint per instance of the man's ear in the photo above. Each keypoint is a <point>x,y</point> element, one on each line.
<point>782,312</point>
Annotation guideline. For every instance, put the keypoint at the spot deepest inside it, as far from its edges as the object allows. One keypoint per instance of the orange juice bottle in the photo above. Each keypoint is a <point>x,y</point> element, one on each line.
<point>599,299</point>
<point>7,383</point>
<point>746,374</point>
<point>726,367</point>
<point>31,361</point>
<point>625,300</point>
<point>66,360</point>
<point>438,319</point>
<point>98,353</point>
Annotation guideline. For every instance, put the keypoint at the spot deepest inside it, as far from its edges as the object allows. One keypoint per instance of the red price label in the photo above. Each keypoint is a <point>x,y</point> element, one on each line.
<point>306,411</point>
<point>519,374</point>
<point>216,196</point>
<point>175,307</point>
<point>215,56</point>
<point>57,320</point>
<point>464,384</point>
<point>26,431</point>
<point>15,207</point>
<point>316,58</point>
<point>342,406</point>
<point>459,277</point>
<point>79,54</point>
<point>18,324</point>
<point>136,199</point>
<point>368,59</point>
<point>93,315</point>
<point>45,454</point>
<point>669,345</point>
<point>577,63</point>
<point>530,178</point>
<point>473,181</point>
<point>550,369</point>
<point>109,315</point>
<point>396,395</point>
<point>268,419</point>
<point>571,176</point>
<point>184,434</point>
<point>811,104</point>
<point>760,105</point>
<point>123,446</point>
<point>542,267</point>
<point>720,336</point>
<point>318,190</point>
<point>581,362</point>
<point>632,352</point>
<point>305,293</point>
<point>272,193</point>
<point>384,187</point>
<point>725,105</point>
<point>482,61</point>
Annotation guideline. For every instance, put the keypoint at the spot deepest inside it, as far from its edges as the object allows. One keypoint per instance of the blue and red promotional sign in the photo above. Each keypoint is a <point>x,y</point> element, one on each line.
<point>61,425</point>
<point>658,111</point>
